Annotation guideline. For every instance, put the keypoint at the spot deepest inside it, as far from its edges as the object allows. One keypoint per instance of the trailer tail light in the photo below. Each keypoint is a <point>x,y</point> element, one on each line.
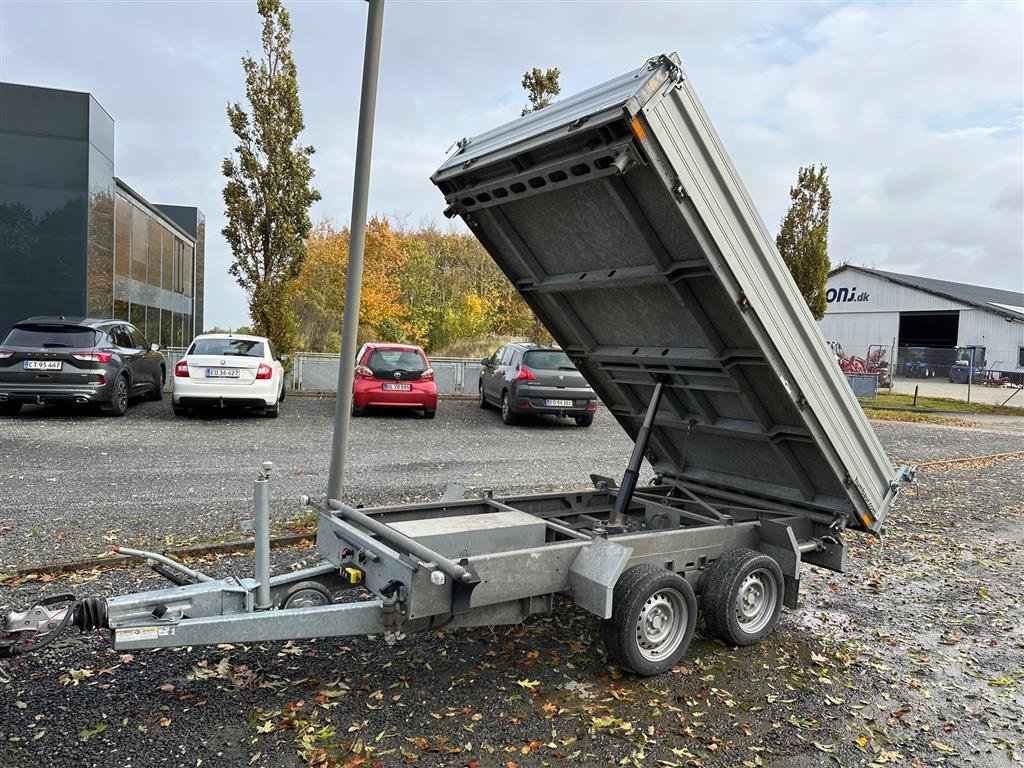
<point>92,357</point>
<point>427,375</point>
<point>264,371</point>
<point>525,374</point>
<point>362,372</point>
<point>181,369</point>
<point>5,353</point>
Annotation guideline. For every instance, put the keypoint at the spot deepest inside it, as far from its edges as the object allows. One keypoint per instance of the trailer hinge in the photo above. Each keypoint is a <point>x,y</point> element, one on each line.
<point>578,122</point>
<point>679,191</point>
<point>674,71</point>
<point>801,400</point>
<point>460,143</point>
<point>744,302</point>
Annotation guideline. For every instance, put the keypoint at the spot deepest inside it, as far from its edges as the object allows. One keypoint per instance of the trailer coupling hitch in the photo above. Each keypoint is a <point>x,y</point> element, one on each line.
<point>37,627</point>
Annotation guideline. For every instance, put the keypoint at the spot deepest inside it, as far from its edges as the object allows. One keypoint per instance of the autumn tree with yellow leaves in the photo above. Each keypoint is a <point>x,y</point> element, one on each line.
<point>425,286</point>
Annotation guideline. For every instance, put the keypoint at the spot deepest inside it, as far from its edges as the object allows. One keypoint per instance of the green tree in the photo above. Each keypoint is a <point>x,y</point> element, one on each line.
<point>803,237</point>
<point>541,86</point>
<point>268,193</point>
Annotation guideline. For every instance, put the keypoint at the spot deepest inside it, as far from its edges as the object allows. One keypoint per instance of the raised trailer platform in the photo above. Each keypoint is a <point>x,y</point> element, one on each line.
<point>619,218</point>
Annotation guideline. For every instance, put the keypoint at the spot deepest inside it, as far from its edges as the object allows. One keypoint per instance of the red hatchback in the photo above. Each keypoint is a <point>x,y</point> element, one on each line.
<point>393,376</point>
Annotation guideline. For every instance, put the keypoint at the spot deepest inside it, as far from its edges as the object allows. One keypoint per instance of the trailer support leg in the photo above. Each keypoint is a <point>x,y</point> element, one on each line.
<point>617,519</point>
<point>261,531</point>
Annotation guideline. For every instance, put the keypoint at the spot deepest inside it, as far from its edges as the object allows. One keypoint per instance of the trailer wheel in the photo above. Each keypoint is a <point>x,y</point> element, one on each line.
<point>306,594</point>
<point>654,614</point>
<point>742,596</point>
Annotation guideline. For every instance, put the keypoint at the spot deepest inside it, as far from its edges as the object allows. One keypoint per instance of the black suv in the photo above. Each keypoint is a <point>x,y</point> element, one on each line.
<point>524,379</point>
<point>78,360</point>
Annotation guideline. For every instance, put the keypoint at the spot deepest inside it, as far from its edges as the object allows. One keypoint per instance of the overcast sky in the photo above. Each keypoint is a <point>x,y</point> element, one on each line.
<point>917,109</point>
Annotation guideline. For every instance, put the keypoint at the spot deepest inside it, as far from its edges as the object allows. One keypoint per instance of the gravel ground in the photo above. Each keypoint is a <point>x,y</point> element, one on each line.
<point>914,657</point>
<point>154,480</point>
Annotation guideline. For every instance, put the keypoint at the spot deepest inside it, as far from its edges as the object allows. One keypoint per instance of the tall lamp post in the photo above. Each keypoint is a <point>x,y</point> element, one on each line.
<point>357,243</point>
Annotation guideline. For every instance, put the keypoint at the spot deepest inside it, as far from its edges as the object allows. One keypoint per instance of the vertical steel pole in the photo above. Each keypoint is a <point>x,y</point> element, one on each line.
<point>261,534</point>
<point>357,241</point>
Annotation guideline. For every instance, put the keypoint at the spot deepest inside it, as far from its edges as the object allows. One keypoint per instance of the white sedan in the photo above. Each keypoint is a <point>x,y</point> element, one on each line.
<point>229,369</point>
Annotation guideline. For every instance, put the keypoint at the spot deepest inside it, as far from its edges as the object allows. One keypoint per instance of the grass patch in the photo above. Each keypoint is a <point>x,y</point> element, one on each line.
<point>940,404</point>
<point>881,414</point>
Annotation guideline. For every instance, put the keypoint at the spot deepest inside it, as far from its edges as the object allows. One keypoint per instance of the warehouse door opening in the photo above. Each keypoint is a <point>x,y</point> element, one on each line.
<point>927,343</point>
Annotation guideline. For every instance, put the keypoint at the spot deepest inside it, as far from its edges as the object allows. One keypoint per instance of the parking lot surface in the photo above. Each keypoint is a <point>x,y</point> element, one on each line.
<point>73,484</point>
<point>914,657</point>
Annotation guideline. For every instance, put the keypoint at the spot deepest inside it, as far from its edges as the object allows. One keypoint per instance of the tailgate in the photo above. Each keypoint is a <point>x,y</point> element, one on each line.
<point>621,221</point>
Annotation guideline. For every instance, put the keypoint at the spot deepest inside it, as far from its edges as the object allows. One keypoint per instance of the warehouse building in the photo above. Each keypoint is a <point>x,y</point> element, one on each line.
<point>924,325</point>
<point>77,240</point>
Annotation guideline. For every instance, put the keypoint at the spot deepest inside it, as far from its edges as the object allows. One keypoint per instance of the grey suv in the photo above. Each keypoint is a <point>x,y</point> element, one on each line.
<point>523,379</point>
<point>78,360</point>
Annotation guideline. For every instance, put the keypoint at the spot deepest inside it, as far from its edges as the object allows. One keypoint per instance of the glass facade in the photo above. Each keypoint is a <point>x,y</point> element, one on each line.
<point>74,240</point>
<point>155,271</point>
<point>44,186</point>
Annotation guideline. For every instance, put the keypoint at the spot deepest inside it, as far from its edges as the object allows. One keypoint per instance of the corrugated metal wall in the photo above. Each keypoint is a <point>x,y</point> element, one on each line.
<point>865,310</point>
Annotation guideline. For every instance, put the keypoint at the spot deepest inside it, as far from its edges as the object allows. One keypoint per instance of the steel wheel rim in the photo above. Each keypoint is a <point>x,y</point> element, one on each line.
<point>661,624</point>
<point>755,603</point>
<point>306,598</point>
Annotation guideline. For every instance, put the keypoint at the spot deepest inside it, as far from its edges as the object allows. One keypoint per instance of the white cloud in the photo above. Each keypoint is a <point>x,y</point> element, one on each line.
<point>916,108</point>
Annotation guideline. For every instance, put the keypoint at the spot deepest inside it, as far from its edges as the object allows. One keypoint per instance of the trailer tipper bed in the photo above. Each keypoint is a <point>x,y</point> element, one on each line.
<point>619,218</point>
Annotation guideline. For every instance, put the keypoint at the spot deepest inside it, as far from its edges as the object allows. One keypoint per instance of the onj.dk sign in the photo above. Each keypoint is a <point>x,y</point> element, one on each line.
<point>845,295</point>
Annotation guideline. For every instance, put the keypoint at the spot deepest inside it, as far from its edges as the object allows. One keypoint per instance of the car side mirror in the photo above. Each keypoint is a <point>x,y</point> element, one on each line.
<point>283,358</point>
<point>485,361</point>
<point>154,347</point>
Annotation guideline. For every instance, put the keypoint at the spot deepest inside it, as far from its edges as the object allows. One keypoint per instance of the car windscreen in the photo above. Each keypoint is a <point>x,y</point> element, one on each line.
<point>227,347</point>
<point>51,336</point>
<point>548,360</point>
<point>388,360</point>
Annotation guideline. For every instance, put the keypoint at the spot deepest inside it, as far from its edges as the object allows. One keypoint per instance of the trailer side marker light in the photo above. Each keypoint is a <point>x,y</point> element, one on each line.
<point>353,575</point>
<point>638,128</point>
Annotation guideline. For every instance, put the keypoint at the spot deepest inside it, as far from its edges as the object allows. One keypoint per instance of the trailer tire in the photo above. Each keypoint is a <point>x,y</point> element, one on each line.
<point>654,613</point>
<point>306,594</point>
<point>742,596</point>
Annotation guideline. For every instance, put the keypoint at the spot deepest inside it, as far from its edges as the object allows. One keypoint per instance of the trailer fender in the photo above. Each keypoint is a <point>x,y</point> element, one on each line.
<point>593,574</point>
<point>778,540</point>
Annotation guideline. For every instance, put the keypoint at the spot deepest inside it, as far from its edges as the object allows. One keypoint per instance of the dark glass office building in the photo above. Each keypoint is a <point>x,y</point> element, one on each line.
<point>75,239</point>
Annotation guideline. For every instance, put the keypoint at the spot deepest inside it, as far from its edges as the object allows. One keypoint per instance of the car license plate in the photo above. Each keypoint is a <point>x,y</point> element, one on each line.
<point>389,387</point>
<point>558,403</point>
<point>43,365</point>
<point>222,373</point>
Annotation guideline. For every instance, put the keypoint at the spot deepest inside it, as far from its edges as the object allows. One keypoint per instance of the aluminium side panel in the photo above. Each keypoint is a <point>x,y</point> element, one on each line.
<point>788,333</point>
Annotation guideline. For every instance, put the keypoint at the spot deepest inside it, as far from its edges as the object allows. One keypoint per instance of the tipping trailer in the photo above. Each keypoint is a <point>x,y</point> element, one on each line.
<point>619,218</point>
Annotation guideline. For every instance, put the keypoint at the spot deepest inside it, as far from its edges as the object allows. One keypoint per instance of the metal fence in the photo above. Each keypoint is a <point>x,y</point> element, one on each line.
<point>963,373</point>
<point>318,372</point>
